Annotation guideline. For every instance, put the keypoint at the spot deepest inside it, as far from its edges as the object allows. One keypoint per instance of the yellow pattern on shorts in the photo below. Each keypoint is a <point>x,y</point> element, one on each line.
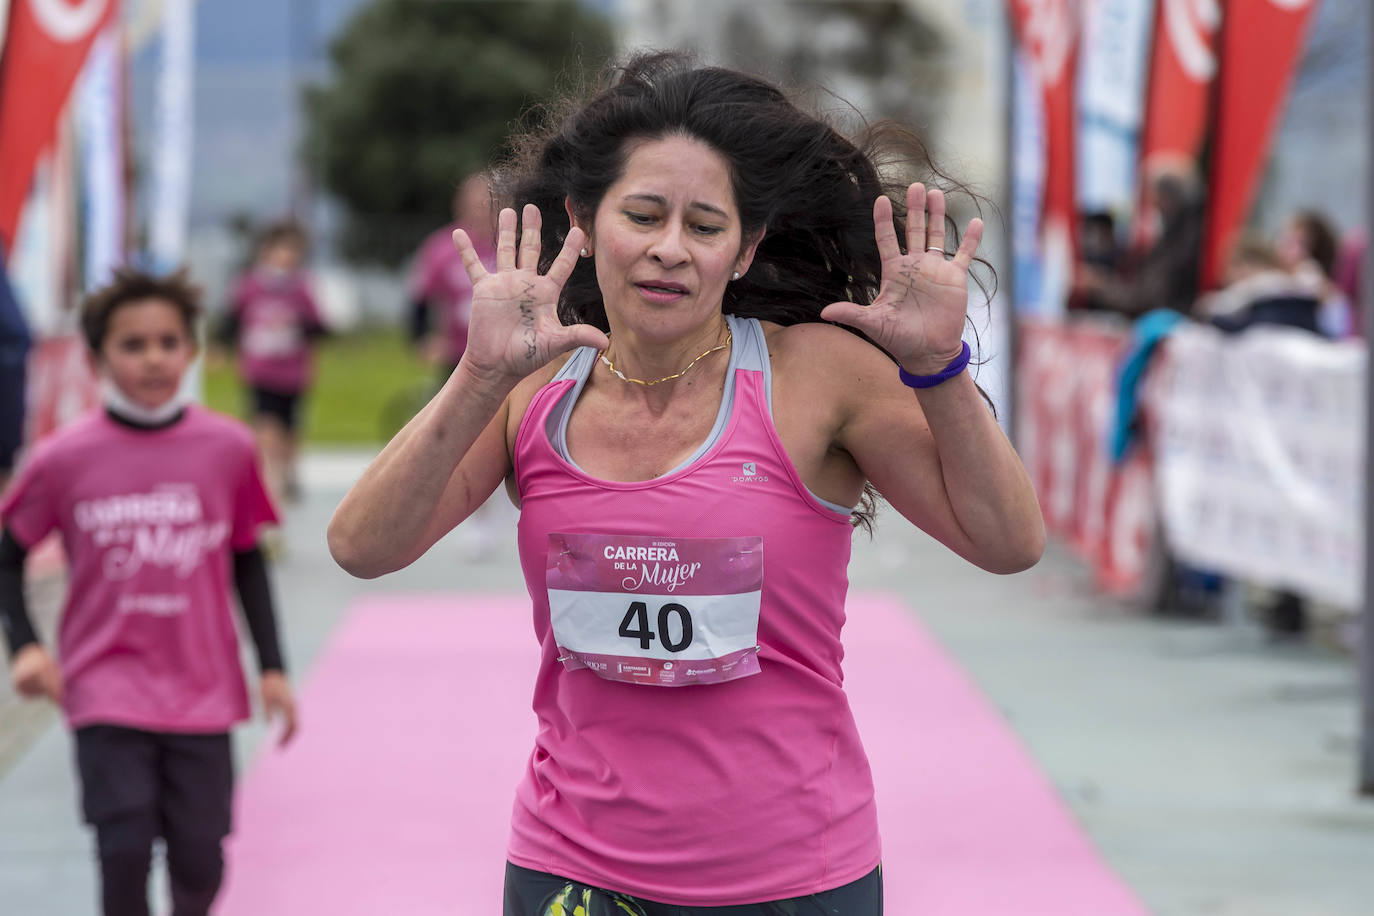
<point>565,904</point>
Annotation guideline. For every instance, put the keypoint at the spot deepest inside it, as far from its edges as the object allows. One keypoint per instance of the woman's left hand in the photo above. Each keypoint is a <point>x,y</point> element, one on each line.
<point>918,314</point>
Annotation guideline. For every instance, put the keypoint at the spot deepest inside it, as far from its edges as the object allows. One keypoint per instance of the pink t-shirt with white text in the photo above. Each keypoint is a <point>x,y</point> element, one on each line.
<point>440,279</point>
<point>276,316</point>
<point>149,520</point>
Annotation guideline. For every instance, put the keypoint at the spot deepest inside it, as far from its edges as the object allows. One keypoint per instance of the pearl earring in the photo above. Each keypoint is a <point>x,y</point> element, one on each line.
<point>735,275</point>
<point>584,252</point>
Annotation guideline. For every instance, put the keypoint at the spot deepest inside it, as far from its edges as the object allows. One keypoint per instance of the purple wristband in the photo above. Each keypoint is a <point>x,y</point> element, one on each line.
<point>957,365</point>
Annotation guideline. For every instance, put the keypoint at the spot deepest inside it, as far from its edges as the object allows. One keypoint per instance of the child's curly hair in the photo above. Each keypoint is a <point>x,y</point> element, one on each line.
<point>130,286</point>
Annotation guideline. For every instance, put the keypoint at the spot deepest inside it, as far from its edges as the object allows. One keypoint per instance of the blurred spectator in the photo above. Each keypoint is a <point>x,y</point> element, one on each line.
<point>1165,275</point>
<point>441,295</point>
<point>1259,290</point>
<point>14,351</point>
<point>1288,285</point>
<point>1098,249</point>
<point>1307,248</point>
<point>1307,245</point>
<point>1348,275</point>
<point>273,320</point>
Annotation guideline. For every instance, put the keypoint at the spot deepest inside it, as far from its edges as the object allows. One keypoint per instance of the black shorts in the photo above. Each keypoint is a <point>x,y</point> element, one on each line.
<point>281,405</point>
<point>185,781</point>
<point>533,893</point>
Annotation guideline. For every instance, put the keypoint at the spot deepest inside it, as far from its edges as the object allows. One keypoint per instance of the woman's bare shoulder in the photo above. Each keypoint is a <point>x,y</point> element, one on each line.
<point>518,401</point>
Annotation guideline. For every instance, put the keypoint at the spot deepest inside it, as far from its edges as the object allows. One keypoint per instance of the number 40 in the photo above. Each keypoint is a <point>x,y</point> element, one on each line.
<point>635,625</point>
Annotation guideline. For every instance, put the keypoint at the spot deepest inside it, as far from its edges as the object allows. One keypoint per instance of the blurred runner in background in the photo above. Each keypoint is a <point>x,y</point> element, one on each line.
<point>440,308</point>
<point>440,293</point>
<point>273,320</point>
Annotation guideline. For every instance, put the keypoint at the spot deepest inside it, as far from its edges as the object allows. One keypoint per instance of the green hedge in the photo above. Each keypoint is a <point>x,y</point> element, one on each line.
<point>364,382</point>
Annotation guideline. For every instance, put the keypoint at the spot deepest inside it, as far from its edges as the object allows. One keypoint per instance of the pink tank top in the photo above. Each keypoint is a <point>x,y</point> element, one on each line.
<point>692,786</point>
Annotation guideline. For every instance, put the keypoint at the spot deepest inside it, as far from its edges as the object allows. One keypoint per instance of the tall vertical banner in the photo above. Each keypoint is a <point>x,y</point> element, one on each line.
<point>171,172</point>
<point>1111,77</point>
<point>1027,184</point>
<point>1047,32</point>
<point>4,24</point>
<point>100,141</point>
<point>45,47</point>
<point>1260,41</point>
<point>1178,100</point>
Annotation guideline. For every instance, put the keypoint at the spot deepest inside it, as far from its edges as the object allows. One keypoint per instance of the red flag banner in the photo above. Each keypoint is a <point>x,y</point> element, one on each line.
<point>1183,63</point>
<point>1047,31</point>
<point>45,46</point>
<point>1178,101</point>
<point>1260,44</point>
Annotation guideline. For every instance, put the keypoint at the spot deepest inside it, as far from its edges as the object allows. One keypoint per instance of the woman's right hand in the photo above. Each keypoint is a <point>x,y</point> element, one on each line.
<point>514,327</point>
<point>34,674</point>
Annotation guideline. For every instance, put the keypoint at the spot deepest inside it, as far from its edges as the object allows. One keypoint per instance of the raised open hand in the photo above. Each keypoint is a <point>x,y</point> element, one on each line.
<point>514,327</point>
<point>918,314</point>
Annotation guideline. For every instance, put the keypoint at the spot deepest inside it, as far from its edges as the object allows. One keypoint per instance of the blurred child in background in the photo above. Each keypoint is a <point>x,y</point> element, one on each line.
<point>440,292</point>
<point>158,503</point>
<point>273,321</point>
<point>440,306</point>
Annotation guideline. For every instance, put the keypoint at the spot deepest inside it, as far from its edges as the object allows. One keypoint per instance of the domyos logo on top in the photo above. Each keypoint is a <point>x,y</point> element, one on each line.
<point>67,20</point>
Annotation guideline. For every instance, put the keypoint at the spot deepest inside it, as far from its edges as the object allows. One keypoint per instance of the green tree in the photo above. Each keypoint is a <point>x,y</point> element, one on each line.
<point>423,93</point>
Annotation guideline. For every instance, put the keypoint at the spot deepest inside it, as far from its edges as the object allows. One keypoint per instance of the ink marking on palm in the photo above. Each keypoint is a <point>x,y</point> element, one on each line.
<point>526,304</point>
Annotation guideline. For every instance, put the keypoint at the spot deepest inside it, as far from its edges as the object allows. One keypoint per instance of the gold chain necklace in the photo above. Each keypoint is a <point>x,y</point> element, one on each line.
<point>667,378</point>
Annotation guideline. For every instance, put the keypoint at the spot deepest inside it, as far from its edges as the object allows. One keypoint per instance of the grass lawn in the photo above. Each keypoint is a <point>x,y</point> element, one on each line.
<point>358,376</point>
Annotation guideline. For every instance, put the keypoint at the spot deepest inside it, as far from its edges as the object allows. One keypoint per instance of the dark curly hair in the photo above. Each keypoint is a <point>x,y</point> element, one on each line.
<point>796,179</point>
<point>129,286</point>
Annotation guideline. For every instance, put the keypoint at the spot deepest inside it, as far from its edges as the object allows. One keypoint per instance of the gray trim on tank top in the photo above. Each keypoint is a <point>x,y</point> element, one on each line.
<point>749,351</point>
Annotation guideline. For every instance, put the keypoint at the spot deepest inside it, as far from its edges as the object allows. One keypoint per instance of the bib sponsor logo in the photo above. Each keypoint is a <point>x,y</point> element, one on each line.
<point>658,575</point>
<point>614,552</point>
<point>655,566</point>
<point>155,605</point>
<point>164,528</point>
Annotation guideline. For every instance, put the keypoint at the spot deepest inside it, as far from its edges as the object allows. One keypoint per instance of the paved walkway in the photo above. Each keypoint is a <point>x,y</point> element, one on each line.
<point>1212,772</point>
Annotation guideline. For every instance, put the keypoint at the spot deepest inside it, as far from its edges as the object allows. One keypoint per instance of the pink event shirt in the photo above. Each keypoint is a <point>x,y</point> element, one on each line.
<point>276,314</point>
<point>148,519</point>
<point>440,279</point>
<point>751,789</point>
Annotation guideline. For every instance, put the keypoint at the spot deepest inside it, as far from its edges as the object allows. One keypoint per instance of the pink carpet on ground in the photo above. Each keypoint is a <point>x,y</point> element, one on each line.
<point>416,725</point>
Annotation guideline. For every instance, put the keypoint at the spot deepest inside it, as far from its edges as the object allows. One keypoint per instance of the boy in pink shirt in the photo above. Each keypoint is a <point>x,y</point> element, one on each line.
<point>158,504</point>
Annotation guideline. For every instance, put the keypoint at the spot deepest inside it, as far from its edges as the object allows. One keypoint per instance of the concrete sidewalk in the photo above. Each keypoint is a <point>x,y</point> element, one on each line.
<point>1214,772</point>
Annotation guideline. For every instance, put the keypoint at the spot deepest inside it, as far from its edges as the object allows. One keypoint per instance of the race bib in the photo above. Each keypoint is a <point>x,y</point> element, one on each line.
<point>267,341</point>
<point>656,610</point>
